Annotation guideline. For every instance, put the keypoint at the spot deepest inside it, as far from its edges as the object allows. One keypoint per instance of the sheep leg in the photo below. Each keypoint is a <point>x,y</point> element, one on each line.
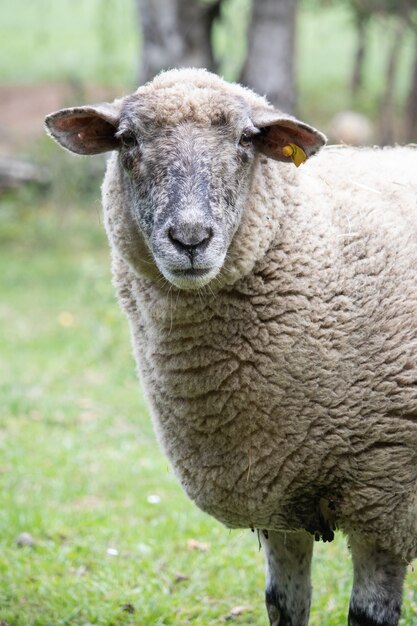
<point>378,579</point>
<point>288,588</point>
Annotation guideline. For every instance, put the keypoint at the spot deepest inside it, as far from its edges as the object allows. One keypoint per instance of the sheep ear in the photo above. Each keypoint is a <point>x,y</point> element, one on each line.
<point>85,130</point>
<point>282,137</point>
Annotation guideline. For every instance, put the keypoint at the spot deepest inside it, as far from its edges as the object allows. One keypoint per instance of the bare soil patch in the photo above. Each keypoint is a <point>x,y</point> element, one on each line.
<point>24,107</point>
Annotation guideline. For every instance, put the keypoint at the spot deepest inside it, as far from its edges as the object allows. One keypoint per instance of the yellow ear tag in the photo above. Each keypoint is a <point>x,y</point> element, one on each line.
<point>296,154</point>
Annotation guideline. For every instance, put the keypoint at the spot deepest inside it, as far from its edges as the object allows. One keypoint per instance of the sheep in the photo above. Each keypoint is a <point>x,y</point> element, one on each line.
<point>273,316</point>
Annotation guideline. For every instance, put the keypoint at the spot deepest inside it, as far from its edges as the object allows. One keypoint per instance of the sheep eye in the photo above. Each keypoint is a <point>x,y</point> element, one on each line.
<point>128,140</point>
<point>245,140</point>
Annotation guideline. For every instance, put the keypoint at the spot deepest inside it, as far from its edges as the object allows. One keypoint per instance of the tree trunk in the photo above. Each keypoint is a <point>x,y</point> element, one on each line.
<point>176,34</point>
<point>411,112</point>
<point>357,74</point>
<point>15,173</point>
<point>269,67</point>
<point>387,130</point>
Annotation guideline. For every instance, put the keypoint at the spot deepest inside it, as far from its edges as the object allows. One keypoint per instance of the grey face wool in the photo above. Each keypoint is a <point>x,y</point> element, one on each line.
<point>273,314</point>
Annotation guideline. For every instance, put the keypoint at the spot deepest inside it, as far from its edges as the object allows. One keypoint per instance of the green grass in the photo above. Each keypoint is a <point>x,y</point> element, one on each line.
<point>79,460</point>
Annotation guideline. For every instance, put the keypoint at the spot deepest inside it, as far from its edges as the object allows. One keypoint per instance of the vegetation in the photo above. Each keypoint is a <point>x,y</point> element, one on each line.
<point>94,40</point>
<point>112,538</point>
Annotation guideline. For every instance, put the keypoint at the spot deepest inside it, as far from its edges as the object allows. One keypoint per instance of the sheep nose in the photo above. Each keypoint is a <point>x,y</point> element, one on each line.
<point>189,239</point>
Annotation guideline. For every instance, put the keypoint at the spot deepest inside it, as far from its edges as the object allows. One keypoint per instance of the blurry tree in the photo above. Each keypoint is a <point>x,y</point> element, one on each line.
<point>176,33</point>
<point>386,116</point>
<point>411,105</point>
<point>411,108</point>
<point>179,33</point>
<point>269,66</point>
<point>362,12</point>
<point>404,13</point>
<point>361,19</point>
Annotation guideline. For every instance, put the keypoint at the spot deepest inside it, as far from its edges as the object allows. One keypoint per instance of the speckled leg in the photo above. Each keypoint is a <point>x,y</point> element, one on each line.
<point>288,588</point>
<point>377,586</point>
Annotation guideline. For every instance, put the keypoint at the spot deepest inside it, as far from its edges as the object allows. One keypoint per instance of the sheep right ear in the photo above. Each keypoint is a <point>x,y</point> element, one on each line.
<point>285,138</point>
<point>85,130</point>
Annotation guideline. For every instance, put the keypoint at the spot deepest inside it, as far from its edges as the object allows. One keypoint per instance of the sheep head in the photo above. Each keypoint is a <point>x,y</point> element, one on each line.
<point>185,147</point>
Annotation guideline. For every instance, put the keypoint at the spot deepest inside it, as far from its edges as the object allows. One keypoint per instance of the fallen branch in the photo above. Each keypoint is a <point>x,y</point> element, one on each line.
<point>15,173</point>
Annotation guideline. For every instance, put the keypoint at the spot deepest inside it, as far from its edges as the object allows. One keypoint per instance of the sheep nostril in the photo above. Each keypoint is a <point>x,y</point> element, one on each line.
<point>209,234</point>
<point>171,235</point>
<point>190,240</point>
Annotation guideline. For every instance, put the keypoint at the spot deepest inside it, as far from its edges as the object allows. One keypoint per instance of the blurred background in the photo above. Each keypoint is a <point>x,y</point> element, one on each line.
<point>93,526</point>
<point>348,66</point>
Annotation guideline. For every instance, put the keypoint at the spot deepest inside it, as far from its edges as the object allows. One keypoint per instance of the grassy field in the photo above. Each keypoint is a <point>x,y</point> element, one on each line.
<point>113,540</point>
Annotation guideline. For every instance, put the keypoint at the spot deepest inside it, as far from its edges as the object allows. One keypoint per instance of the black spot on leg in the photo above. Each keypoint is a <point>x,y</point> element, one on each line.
<point>358,617</point>
<point>277,612</point>
<point>259,540</point>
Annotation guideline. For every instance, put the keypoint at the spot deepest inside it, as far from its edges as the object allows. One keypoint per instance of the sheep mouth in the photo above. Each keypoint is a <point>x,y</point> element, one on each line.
<point>190,278</point>
<point>193,272</point>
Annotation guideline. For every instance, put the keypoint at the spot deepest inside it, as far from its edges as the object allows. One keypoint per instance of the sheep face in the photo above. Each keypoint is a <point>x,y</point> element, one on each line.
<point>187,144</point>
<point>186,185</point>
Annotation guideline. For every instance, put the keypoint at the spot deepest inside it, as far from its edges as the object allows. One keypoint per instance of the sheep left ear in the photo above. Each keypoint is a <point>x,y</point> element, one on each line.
<point>87,129</point>
<point>284,138</point>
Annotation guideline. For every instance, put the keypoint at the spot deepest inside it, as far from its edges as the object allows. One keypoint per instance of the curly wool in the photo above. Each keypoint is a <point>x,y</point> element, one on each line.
<point>287,397</point>
<point>285,393</point>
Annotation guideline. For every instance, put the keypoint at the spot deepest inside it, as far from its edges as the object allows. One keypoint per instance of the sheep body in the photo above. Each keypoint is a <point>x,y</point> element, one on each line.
<point>288,398</point>
<point>273,315</point>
